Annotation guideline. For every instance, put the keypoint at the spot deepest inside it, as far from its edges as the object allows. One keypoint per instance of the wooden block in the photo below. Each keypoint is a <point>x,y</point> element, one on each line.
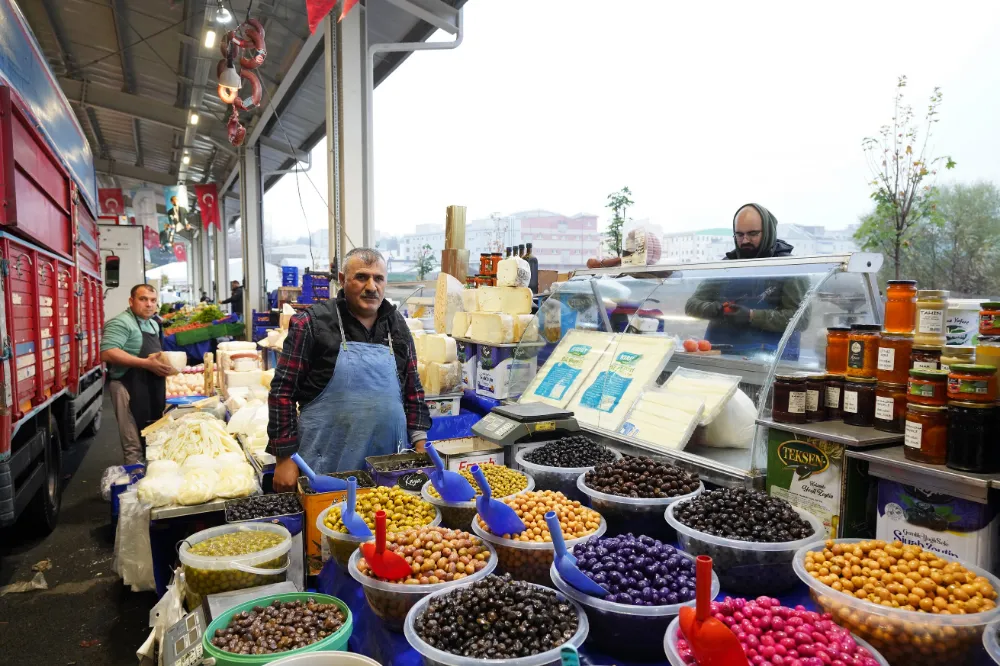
<point>455,263</point>
<point>454,230</point>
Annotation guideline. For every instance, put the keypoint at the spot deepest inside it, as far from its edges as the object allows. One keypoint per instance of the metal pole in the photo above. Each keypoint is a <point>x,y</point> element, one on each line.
<point>251,217</point>
<point>221,292</point>
<point>332,142</point>
<point>350,49</point>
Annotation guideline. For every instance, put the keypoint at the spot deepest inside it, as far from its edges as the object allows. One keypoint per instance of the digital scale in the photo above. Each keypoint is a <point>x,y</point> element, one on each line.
<point>182,642</point>
<point>516,426</point>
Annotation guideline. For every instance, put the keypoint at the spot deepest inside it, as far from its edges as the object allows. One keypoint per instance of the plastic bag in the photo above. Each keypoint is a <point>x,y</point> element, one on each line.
<point>236,481</point>
<point>735,425</point>
<point>159,489</point>
<point>161,467</point>
<point>199,461</point>
<point>133,555</point>
<point>716,388</point>
<point>198,486</point>
<point>112,476</point>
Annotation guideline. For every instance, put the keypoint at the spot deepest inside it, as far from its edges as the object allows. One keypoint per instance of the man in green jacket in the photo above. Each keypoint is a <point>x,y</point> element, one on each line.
<point>130,345</point>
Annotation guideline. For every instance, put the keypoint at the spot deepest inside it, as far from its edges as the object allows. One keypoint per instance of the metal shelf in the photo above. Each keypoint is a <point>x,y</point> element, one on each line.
<point>510,345</point>
<point>853,437</point>
<point>892,464</point>
<point>164,512</point>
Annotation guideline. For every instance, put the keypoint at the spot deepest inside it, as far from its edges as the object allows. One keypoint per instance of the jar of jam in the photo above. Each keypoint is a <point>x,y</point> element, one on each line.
<point>926,436</point>
<point>989,318</point>
<point>972,383</point>
<point>836,349</point>
<point>925,357</point>
<point>958,354</point>
<point>789,399</point>
<point>988,350</point>
<point>862,351</point>
<point>815,398</point>
<point>859,401</point>
<point>495,258</point>
<point>484,263</point>
<point>929,322</point>
<point>971,442</point>
<point>894,351</point>
<point>834,398</point>
<point>928,387</point>
<point>890,407</point>
<point>900,306</point>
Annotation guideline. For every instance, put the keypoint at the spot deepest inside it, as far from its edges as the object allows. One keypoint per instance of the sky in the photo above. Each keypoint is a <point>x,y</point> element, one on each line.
<point>697,107</point>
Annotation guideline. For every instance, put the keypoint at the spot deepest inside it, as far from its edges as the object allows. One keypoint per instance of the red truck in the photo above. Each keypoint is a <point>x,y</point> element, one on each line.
<point>51,292</point>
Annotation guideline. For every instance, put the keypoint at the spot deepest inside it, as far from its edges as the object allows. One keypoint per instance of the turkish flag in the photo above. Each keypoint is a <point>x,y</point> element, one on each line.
<point>318,9</point>
<point>112,203</point>
<point>180,252</point>
<point>150,239</point>
<point>208,201</point>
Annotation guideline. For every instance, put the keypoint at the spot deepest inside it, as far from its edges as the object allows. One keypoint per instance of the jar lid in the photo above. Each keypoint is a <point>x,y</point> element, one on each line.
<point>836,376</point>
<point>936,348</point>
<point>866,327</point>
<point>958,349</point>
<point>891,386</point>
<point>838,329</point>
<point>815,377</point>
<point>971,405</point>
<point>897,336</point>
<point>916,407</point>
<point>989,339</point>
<point>791,378</point>
<point>902,282</point>
<point>929,374</point>
<point>861,380</point>
<point>974,369</point>
<point>932,294</point>
<point>990,305</point>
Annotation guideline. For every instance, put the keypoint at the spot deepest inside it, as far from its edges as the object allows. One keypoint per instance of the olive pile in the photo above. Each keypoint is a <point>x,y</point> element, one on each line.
<point>503,481</point>
<point>639,476</point>
<point>744,515</point>
<point>435,555</point>
<point>236,543</point>
<point>573,451</point>
<point>262,506</point>
<point>402,510</point>
<point>232,544</point>
<point>365,480</point>
<point>279,627</point>
<point>497,618</point>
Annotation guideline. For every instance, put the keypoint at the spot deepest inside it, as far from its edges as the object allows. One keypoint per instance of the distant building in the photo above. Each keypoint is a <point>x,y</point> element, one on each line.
<point>691,247</point>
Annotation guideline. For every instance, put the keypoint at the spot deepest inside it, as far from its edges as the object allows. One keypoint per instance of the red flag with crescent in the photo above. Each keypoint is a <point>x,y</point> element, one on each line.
<point>180,252</point>
<point>208,202</point>
<point>316,11</point>
<point>112,203</point>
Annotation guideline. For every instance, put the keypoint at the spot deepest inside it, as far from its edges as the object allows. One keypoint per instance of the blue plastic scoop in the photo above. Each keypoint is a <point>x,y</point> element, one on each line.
<point>320,484</point>
<point>354,523</point>
<point>451,486</point>
<point>500,518</point>
<point>566,563</point>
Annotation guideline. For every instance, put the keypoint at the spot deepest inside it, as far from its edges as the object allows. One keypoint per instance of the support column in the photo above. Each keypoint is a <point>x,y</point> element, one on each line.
<point>205,260</point>
<point>332,142</point>
<point>194,268</point>
<point>251,217</point>
<point>221,248</point>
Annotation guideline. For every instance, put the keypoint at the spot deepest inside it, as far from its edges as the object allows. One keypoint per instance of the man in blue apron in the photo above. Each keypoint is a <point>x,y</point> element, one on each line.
<point>350,367</point>
<point>749,315</point>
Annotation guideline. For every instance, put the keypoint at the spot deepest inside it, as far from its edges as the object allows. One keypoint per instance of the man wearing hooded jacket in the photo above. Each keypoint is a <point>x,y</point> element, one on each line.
<point>750,314</point>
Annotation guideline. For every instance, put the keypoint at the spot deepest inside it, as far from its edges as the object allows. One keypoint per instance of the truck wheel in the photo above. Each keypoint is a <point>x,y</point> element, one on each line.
<point>94,427</point>
<point>43,512</point>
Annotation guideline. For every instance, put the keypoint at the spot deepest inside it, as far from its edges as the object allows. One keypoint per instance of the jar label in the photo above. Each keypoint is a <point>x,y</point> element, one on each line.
<point>832,397</point>
<point>883,408</point>
<point>988,323</point>
<point>924,365</point>
<point>946,368</point>
<point>913,433</point>
<point>851,402</point>
<point>930,321</point>
<point>812,401</point>
<point>886,358</point>
<point>922,390</point>
<point>856,355</point>
<point>796,402</point>
<point>973,386</point>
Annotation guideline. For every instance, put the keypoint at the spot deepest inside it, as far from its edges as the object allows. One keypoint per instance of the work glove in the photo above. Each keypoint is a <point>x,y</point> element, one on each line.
<point>736,314</point>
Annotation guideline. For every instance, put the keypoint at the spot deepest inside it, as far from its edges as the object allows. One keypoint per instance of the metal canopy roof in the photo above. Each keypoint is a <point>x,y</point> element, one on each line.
<point>134,70</point>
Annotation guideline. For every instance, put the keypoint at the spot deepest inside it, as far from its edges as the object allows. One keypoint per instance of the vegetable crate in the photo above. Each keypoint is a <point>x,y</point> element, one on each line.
<point>289,276</point>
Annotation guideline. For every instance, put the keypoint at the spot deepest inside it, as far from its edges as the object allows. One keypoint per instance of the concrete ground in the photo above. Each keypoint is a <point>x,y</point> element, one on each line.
<point>86,616</point>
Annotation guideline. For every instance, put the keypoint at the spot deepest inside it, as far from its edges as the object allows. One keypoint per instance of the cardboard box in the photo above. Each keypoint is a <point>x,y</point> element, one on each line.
<point>314,504</point>
<point>505,372</point>
<point>463,452</point>
<point>468,356</point>
<point>546,279</point>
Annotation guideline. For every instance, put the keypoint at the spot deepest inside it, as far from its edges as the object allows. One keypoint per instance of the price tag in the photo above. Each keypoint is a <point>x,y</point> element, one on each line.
<point>886,358</point>
<point>851,402</point>
<point>412,481</point>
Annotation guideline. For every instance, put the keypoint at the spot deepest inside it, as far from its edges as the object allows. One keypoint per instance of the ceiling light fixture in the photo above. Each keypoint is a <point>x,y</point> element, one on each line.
<point>222,14</point>
<point>209,39</point>
<point>193,119</point>
<point>186,159</point>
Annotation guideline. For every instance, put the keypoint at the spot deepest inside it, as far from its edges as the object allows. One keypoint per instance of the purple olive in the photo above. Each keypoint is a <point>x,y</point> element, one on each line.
<point>624,598</point>
<point>685,594</point>
<point>672,598</point>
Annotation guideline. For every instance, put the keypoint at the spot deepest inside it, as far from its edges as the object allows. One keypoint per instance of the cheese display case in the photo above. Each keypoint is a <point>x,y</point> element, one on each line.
<point>679,360</point>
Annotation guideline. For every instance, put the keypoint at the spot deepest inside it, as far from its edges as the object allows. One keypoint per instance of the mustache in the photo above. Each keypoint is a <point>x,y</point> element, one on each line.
<point>369,294</point>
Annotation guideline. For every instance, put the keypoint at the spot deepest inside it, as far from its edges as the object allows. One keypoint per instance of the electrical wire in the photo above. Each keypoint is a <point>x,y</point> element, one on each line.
<point>126,48</point>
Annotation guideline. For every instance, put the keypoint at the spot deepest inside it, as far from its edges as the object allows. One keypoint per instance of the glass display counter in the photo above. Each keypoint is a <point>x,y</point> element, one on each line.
<point>754,319</point>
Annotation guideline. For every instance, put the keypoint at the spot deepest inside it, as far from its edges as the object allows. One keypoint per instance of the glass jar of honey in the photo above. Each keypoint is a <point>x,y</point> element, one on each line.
<point>834,398</point>
<point>988,350</point>
<point>894,351</point>
<point>890,407</point>
<point>972,383</point>
<point>900,306</point>
<point>789,399</point>
<point>862,351</point>
<point>925,357</point>
<point>836,349</point>
<point>958,354</point>
<point>929,322</point>
<point>926,435</point>
<point>928,387</point>
<point>815,398</point>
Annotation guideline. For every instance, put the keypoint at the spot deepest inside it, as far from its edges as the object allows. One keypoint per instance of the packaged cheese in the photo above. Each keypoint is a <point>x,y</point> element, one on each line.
<point>439,349</point>
<point>508,300</point>
<point>246,379</point>
<point>413,324</point>
<point>715,388</point>
<point>460,325</point>
<point>513,272</point>
<point>525,328</point>
<point>447,301</point>
<point>443,378</point>
<point>491,328</point>
<point>567,367</point>
<point>667,428</point>
<point>470,300</point>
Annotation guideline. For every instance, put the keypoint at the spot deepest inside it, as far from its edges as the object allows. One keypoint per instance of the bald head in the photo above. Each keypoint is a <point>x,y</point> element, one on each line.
<point>748,230</point>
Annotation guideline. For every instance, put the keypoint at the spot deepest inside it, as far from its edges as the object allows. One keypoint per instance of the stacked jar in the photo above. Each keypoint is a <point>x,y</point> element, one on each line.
<point>973,417</point>
<point>892,373</point>
<point>926,427</point>
<point>862,370</point>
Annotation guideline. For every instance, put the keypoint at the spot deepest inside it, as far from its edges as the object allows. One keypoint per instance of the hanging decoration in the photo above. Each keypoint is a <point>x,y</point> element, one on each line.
<point>317,10</point>
<point>243,50</point>
<point>208,203</point>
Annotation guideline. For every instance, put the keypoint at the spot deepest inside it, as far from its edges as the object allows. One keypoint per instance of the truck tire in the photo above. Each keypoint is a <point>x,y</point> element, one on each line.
<point>95,425</point>
<point>43,511</point>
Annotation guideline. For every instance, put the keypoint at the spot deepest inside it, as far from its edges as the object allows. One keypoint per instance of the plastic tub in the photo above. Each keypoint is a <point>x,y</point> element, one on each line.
<point>326,659</point>
<point>434,657</point>
<point>747,568</point>
<point>991,641</point>
<point>623,630</point>
<point>176,359</point>
<point>942,638</point>
<point>341,546</point>
<point>392,601</point>
<point>336,641</point>
<point>674,657</point>
<point>528,560</point>
<point>562,479</point>
<point>459,515</point>
<point>639,515</point>
<point>205,574</point>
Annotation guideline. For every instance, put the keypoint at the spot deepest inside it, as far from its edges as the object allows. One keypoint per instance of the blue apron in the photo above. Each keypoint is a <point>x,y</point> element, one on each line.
<point>754,294</point>
<point>358,414</point>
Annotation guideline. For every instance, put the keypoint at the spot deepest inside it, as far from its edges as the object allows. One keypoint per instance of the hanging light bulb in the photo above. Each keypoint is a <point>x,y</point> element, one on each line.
<point>229,82</point>
<point>222,15</point>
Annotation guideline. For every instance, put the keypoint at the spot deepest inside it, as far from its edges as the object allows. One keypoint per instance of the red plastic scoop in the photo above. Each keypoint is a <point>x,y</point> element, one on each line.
<point>383,563</point>
<point>712,642</point>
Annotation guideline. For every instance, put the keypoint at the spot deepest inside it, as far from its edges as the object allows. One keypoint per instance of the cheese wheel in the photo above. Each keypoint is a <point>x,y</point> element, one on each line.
<point>447,301</point>
<point>506,300</point>
<point>491,328</point>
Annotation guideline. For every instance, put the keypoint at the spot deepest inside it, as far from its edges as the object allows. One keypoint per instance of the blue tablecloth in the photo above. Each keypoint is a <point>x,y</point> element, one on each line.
<point>450,427</point>
<point>195,352</point>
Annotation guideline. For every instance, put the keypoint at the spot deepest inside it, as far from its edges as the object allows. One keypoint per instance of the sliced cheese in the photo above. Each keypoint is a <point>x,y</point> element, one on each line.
<point>460,325</point>
<point>447,301</point>
<point>443,378</point>
<point>513,272</point>
<point>715,388</point>
<point>439,349</point>
<point>413,324</point>
<point>508,300</point>
<point>567,368</point>
<point>470,300</point>
<point>525,328</point>
<point>664,434</point>
<point>491,328</point>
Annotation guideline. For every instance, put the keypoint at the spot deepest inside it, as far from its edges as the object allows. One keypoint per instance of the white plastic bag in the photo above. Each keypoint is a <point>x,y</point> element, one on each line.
<point>236,481</point>
<point>735,425</point>
<point>159,489</point>
<point>198,486</point>
<point>133,556</point>
<point>112,476</point>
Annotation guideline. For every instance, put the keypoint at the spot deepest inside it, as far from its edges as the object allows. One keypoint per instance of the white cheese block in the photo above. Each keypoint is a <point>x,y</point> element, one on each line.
<point>245,379</point>
<point>447,301</point>
<point>422,373</point>
<point>413,324</point>
<point>491,328</point>
<point>418,342</point>
<point>508,300</point>
<point>443,378</point>
<point>714,387</point>
<point>513,272</point>
<point>661,433</point>
<point>470,300</point>
<point>567,368</point>
<point>525,328</point>
<point>440,349</point>
<point>460,325</point>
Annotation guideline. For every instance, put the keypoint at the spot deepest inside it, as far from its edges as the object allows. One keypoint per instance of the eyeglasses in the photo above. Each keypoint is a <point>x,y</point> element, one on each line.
<point>750,234</point>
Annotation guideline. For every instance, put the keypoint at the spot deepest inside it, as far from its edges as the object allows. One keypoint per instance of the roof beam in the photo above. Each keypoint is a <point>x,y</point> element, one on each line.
<point>125,170</point>
<point>120,11</point>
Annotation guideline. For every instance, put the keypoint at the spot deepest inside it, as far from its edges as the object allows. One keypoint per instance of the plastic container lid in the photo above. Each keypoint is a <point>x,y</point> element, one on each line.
<point>403,588</point>
<point>929,374</point>
<point>866,327</point>
<point>990,305</point>
<point>897,336</point>
<point>923,294</point>
<point>246,563</point>
<point>681,528</point>
<point>533,545</point>
<point>635,503</point>
<point>860,380</point>
<point>974,369</point>
<point>433,655</point>
<point>902,282</point>
<point>991,641</point>
<point>535,468</point>
<point>470,504</point>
